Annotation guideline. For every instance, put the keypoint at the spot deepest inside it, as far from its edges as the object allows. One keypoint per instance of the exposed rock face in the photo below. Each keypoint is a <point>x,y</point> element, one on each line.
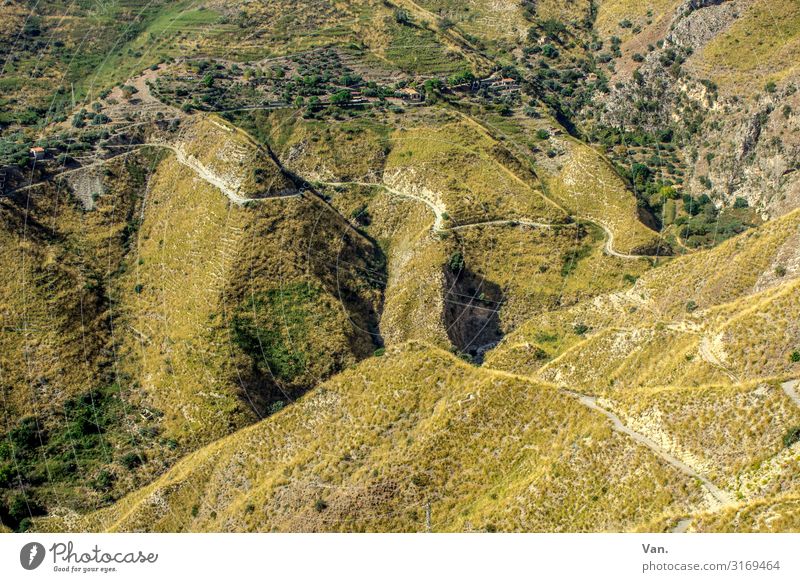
<point>742,139</point>
<point>699,21</point>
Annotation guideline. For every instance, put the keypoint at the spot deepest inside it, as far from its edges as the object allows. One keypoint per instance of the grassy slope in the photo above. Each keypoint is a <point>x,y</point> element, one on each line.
<point>232,156</point>
<point>186,303</point>
<point>763,44</point>
<point>57,261</point>
<point>201,273</point>
<point>731,433</point>
<point>745,340</point>
<point>643,14</point>
<point>372,447</point>
<point>462,168</point>
<point>661,297</point>
<point>577,178</point>
<point>544,269</point>
<point>61,265</point>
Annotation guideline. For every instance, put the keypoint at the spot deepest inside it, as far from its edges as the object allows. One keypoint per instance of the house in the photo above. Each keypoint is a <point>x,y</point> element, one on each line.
<point>37,153</point>
<point>410,94</point>
<point>494,83</point>
<point>504,85</point>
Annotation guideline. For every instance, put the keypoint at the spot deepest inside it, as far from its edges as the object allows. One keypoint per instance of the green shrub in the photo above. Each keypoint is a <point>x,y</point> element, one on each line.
<point>628,278</point>
<point>262,326</point>
<point>132,460</point>
<point>104,480</point>
<point>456,262</point>
<point>791,437</point>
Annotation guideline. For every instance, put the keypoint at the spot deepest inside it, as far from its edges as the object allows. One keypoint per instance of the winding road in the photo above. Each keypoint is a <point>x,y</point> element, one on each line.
<point>190,162</point>
<point>440,211</point>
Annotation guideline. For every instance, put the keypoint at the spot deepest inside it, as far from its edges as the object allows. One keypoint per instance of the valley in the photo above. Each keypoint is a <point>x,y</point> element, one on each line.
<point>399,266</point>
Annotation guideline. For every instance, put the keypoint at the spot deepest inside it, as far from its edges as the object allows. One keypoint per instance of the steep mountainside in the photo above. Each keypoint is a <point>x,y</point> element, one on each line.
<point>398,265</point>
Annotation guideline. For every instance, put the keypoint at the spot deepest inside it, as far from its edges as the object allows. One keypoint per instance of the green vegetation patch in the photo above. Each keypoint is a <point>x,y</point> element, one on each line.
<point>268,324</point>
<point>73,457</point>
<point>417,50</point>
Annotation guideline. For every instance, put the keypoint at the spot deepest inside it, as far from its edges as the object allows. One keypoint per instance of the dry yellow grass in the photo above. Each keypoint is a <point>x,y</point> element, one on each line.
<point>460,168</point>
<point>780,514</point>
<point>372,447</point>
<point>723,431</point>
<point>57,262</point>
<point>674,310</point>
<point>762,44</point>
<point>201,265</point>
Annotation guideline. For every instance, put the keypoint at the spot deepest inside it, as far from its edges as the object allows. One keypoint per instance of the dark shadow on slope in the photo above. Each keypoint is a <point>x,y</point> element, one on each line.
<point>471,310</point>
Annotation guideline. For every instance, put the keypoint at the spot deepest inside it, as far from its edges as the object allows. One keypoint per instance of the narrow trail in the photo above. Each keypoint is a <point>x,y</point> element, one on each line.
<point>67,173</point>
<point>719,497</point>
<point>608,247</point>
<point>790,389</point>
<point>513,221</point>
<point>438,210</point>
<point>711,354</point>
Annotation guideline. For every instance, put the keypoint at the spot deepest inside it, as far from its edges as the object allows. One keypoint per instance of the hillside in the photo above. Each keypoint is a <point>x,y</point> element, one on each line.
<point>399,265</point>
<point>414,429</point>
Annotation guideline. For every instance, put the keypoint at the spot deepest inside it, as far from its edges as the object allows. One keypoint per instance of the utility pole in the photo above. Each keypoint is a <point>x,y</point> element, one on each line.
<point>73,94</point>
<point>428,517</point>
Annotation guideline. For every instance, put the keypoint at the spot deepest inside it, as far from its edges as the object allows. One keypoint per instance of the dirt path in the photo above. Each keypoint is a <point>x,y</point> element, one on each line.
<point>202,172</point>
<point>438,210</point>
<point>790,388</point>
<point>718,497</point>
<point>519,221</point>
<point>608,247</point>
<point>710,350</point>
<point>68,172</point>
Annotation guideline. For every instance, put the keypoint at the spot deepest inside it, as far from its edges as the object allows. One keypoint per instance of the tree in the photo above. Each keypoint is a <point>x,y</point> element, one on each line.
<point>129,91</point>
<point>402,17</point>
<point>549,51</point>
<point>460,78</point>
<point>553,29</point>
<point>341,98</point>
<point>445,24</point>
